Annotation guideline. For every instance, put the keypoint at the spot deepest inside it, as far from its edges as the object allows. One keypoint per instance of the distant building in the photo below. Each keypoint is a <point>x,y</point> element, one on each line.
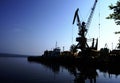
<point>115,53</point>
<point>55,52</point>
<point>66,53</point>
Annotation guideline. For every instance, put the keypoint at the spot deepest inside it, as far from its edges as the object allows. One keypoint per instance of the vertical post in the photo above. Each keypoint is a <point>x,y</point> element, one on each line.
<point>63,48</point>
<point>56,45</point>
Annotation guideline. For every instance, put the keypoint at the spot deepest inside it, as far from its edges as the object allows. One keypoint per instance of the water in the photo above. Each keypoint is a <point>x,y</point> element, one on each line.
<point>20,70</point>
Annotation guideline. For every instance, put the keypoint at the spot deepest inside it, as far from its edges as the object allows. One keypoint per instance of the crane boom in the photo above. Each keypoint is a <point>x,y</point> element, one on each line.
<point>91,15</point>
<point>76,16</point>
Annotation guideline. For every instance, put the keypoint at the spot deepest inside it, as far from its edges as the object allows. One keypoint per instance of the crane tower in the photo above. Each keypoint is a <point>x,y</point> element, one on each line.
<point>83,29</point>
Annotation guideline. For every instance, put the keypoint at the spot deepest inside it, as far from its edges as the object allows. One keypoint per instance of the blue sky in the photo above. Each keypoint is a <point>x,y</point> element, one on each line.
<point>32,26</point>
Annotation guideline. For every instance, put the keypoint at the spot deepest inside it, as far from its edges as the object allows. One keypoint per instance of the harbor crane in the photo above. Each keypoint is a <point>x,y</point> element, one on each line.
<point>83,29</point>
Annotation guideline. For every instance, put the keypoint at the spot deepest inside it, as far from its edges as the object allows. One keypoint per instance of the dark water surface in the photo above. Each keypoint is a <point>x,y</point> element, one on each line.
<point>20,70</point>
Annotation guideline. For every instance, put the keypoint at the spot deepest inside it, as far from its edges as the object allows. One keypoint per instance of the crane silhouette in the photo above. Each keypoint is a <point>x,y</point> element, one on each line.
<point>83,29</point>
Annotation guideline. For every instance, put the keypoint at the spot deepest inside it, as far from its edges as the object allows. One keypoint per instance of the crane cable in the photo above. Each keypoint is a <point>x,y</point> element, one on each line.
<point>99,22</point>
<point>72,35</point>
<point>99,25</point>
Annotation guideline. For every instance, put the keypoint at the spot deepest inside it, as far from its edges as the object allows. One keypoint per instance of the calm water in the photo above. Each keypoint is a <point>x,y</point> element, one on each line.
<point>20,70</point>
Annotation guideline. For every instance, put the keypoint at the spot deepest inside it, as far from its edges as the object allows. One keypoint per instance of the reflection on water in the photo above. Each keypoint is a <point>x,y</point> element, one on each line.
<point>87,73</point>
<point>81,73</point>
<point>19,70</point>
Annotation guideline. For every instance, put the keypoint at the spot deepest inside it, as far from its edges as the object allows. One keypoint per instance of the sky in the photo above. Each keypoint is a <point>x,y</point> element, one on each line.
<point>32,26</point>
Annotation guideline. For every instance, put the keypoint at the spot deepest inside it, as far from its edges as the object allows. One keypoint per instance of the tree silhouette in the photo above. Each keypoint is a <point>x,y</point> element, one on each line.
<point>118,47</point>
<point>72,48</point>
<point>116,12</point>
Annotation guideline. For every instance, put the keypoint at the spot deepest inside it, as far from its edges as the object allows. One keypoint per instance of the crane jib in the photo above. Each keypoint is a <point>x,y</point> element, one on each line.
<point>91,15</point>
